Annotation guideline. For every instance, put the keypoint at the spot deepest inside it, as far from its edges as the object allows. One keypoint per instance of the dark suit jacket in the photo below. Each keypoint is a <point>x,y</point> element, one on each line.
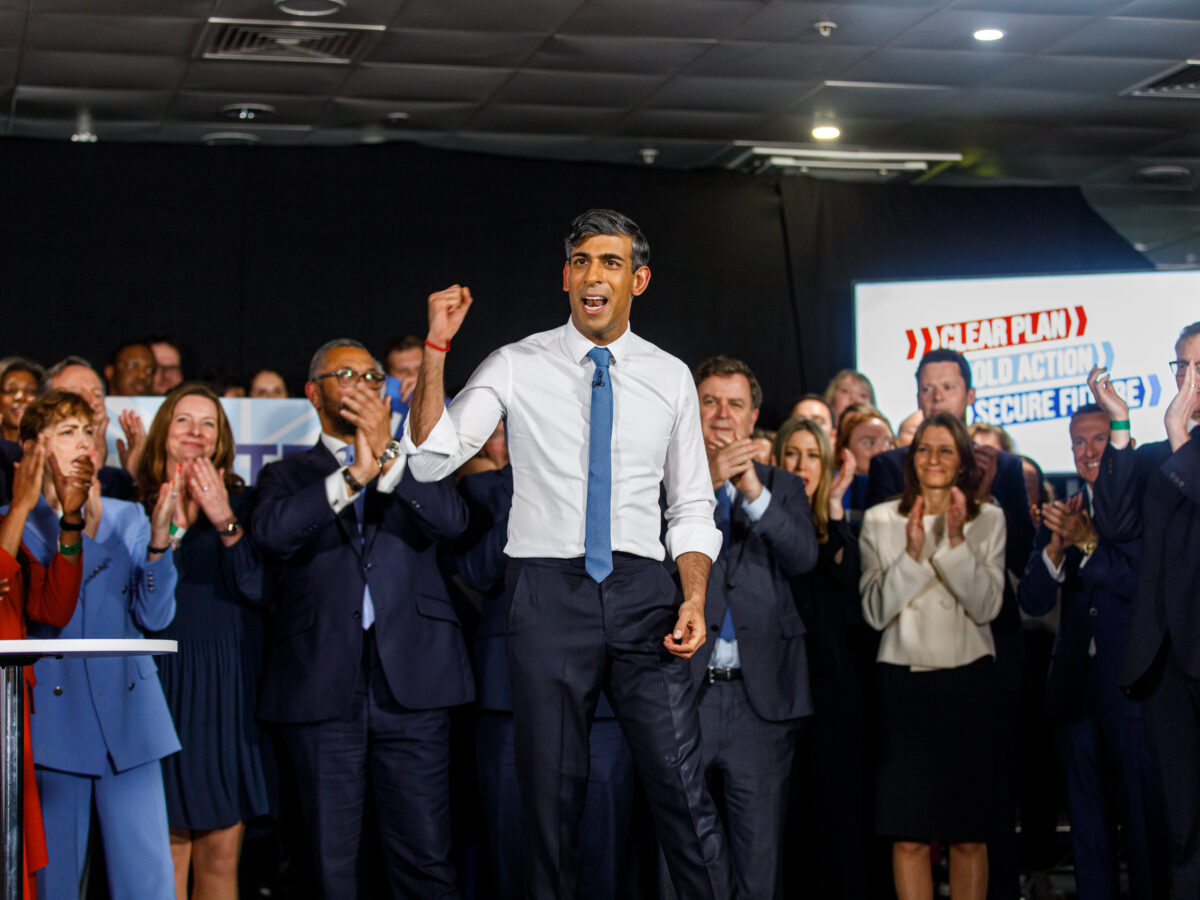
<point>1095,607</point>
<point>756,584</point>
<point>1008,487</point>
<point>315,655</point>
<point>1154,494</point>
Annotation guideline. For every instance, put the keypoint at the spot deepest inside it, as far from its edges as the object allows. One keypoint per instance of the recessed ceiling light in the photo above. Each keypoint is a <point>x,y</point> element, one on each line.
<point>989,34</point>
<point>248,112</point>
<point>826,132</point>
<point>310,7</point>
<point>399,117</point>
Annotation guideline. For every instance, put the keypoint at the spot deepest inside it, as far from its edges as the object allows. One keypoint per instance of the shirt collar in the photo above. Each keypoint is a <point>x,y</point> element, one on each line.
<point>577,346</point>
<point>333,445</point>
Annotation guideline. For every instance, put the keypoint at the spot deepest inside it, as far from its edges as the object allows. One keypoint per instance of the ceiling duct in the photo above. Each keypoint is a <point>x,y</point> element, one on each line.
<point>294,42</point>
<point>1181,82</point>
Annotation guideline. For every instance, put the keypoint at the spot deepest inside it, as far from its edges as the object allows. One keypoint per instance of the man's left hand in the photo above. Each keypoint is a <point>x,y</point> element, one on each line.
<point>372,416</point>
<point>689,633</point>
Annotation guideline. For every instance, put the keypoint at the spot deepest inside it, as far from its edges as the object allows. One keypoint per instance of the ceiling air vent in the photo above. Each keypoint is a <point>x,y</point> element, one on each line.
<point>1181,81</point>
<point>303,42</point>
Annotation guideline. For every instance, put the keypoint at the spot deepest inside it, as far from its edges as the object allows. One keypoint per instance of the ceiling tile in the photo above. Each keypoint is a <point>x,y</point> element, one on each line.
<point>625,55</point>
<point>857,133</point>
<point>729,94</point>
<point>423,115</point>
<point>100,70</point>
<point>1018,105</point>
<point>459,48</point>
<point>151,35</point>
<point>1063,7</point>
<point>857,25</point>
<point>528,15</point>
<point>424,82</point>
<point>12,28</point>
<point>709,19</point>
<point>876,101</point>
<point>179,8</point>
<point>1152,38</point>
<point>1161,9</point>
<point>946,67</point>
<point>60,130</point>
<point>651,123</point>
<point>266,77</point>
<point>1085,139</point>
<point>1083,74</point>
<point>579,88</point>
<point>59,102</point>
<point>537,119</point>
<point>194,133</point>
<point>745,59</point>
<point>290,109</point>
<point>670,154</point>
<point>357,12</point>
<point>9,60</point>
<point>952,29</point>
<point>973,137</point>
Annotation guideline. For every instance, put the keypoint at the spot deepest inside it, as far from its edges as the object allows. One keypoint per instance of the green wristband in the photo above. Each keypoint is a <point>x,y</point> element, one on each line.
<point>70,549</point>
<point>1119,425</point>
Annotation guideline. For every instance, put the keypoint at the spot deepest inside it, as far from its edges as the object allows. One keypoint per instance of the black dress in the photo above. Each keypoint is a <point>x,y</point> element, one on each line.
<point>211,685</point>
<point>831,800</point>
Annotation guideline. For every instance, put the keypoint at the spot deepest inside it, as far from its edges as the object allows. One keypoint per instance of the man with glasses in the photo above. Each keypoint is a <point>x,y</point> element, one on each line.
<point>130,370</point>
<point>368,654</point>
<point>1153,493</point>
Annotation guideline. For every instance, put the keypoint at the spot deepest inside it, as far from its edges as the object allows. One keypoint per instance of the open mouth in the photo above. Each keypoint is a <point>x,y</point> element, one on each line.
<point>593,303</point>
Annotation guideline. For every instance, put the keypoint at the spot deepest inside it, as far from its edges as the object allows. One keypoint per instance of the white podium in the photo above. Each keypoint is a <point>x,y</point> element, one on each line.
<point>14,657</point>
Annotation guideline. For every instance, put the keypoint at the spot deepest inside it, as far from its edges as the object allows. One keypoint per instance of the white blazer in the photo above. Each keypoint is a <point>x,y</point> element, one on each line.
<point>934,614</point>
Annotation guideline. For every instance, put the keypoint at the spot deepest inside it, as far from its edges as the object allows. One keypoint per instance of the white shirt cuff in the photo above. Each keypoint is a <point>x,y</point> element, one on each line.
<point>441,440</point>
<point>1058,572</point>
<point>755,509</point>
<point>336,490</point>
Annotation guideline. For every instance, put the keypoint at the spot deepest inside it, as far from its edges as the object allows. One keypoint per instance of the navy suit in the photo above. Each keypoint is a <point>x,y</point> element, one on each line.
<point>1154,494</point>
<point>1100,730</point>
<point>1008,488</point>
<point>365,706</point>
<point>748,727</point>
<point>101,725</point>
<point>605,827</point>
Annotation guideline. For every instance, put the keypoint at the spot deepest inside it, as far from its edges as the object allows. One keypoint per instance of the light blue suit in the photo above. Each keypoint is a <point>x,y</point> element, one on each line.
<point>100,726</point>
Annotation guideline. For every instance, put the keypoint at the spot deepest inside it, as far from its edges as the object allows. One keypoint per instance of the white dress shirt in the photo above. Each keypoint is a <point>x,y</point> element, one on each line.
<point>725,653</point>
<point>541,387</point>
<point>934,614</point>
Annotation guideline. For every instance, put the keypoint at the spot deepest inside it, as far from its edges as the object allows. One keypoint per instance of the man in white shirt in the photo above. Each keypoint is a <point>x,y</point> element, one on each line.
<point>597,420</point>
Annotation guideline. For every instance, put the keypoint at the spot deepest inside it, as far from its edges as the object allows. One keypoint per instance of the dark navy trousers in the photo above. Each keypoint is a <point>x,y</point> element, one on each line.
<point>569,637</point>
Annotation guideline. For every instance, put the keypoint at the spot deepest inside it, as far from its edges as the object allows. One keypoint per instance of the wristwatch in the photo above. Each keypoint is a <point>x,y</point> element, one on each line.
<point>1089,547</point>
<point>230,528</point>
<point>390,451</point>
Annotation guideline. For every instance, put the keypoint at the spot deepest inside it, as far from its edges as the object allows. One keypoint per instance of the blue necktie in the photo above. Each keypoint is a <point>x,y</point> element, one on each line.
<point>724,522</point>
<point>360,505</point>
<point>597,541</point>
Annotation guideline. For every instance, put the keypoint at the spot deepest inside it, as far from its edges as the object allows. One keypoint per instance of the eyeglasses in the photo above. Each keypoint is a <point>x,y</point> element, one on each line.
<point>1180,367</point>
<point>348,377</point>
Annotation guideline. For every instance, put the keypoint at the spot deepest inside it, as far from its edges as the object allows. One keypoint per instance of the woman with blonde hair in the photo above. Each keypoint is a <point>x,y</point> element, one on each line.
<point>216,782</point>
<point>832,811</point>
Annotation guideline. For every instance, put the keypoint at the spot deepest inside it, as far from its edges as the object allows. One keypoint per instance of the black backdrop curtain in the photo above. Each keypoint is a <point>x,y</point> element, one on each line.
<point>254,256</point>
